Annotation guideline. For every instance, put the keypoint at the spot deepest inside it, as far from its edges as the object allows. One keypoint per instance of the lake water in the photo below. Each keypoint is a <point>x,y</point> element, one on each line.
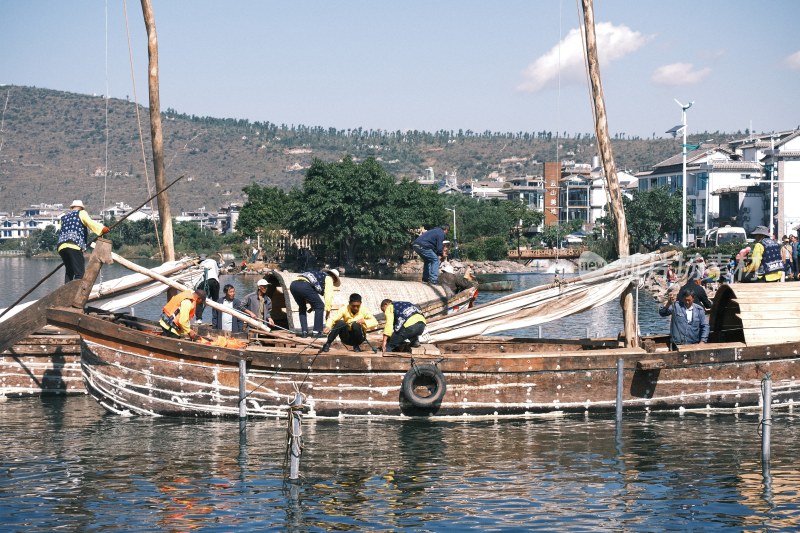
<point>67,465</point>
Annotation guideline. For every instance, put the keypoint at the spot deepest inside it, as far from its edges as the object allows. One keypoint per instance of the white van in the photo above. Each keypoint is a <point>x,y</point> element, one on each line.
<point>725,235</point>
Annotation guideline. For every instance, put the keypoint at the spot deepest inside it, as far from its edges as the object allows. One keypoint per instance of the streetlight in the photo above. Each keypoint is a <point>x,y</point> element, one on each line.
<point>673,131</point>
<point>455,235</point>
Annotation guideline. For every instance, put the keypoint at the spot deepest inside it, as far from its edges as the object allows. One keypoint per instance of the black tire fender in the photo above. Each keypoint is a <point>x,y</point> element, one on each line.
<point>427,376</point>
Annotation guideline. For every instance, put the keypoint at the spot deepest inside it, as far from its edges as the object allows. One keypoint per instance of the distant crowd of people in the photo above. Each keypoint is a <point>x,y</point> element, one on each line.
<point>767,261</point>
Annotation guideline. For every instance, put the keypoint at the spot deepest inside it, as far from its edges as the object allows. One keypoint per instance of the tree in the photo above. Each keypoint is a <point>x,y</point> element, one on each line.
<point>553,234</point>
<point>266,209</point>
<point>650,215</point>
<point>48,239</point>
<point>357,209</point>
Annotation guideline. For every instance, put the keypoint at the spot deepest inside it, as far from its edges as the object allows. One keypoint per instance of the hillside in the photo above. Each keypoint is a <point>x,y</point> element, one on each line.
<point>53,149</point>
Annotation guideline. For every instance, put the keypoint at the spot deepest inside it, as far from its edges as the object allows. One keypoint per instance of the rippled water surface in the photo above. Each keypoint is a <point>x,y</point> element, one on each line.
<point>67,465</point>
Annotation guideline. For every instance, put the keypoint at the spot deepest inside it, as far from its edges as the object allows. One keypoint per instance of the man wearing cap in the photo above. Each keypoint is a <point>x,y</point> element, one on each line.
<point>73,238</point>
<point>178,313</point>
<point>453,282</point>
<point>257,304</point>
<point>314,288</point>
<point>766,263</point>
<point>350,323</point>
<point>695,287</point>
<point>430,246</point>
<point>209,283</point>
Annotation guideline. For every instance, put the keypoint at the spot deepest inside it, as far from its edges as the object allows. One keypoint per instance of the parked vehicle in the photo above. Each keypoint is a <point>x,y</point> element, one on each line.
<point>725,235</point>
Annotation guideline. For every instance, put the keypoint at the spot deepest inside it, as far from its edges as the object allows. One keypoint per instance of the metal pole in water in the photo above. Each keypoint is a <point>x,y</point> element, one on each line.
<point>766,420</point>
<point>242,394</point>
<point>540,331</point>
<point>295,436</point>
<point>587,332</point>
<point>620,370</point>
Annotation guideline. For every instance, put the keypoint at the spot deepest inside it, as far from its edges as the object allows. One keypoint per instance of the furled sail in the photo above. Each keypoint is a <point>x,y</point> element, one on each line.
<point>548,302</point>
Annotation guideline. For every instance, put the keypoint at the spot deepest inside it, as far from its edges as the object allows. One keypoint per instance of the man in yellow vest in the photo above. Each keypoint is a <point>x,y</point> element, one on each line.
<point>73,237</point>
<point>350,323</point>
<point>176,316</point>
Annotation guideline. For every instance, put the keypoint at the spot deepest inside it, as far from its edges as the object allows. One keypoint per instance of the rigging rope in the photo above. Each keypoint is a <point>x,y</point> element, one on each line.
<point>105,169</point>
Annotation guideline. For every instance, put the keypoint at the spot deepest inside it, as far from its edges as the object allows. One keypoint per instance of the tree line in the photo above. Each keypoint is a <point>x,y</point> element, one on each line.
<point>361,214</point>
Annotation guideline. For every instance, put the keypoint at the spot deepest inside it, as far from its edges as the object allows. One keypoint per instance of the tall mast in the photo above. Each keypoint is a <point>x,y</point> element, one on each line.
<point>610,171</point>
<point>164,214</point>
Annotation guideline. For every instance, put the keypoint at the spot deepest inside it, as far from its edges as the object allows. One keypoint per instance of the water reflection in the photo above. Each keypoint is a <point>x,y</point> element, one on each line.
<point>66,464</point>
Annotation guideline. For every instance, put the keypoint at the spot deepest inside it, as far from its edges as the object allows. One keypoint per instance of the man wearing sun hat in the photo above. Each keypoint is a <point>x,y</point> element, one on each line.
<point>257,304</point>
<point>766,264</point>
<point>314,288</point>
<point>73,237</point>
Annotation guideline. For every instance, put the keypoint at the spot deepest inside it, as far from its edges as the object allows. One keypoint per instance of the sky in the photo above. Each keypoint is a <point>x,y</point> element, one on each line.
<point>510,65</point>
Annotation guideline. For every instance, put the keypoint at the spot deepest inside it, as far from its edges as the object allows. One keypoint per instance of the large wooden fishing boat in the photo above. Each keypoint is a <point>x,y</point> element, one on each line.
<point>130,369</point>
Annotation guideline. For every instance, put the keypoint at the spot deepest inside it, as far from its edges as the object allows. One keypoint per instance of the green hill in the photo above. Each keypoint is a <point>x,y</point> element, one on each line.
<point>53,150</point>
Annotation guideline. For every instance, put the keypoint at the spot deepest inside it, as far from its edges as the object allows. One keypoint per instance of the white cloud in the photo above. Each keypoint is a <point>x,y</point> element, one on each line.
<point>679,74</point>
<point>613,42</point>
<point>793,61</point>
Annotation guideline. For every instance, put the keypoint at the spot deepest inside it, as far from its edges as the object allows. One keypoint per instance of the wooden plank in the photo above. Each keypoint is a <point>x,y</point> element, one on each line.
<point>650,364</point>
<point>764,314</point>
<point>33,318</point>
<point>769,323</point>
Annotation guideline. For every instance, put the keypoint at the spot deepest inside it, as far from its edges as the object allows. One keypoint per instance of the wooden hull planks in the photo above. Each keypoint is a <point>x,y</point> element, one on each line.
<point>42,364</point>
<point>134,372</point>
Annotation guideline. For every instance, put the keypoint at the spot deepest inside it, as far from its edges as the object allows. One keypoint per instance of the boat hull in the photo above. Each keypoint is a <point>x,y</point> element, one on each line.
<point>134,372</point>
<point>46,363</point>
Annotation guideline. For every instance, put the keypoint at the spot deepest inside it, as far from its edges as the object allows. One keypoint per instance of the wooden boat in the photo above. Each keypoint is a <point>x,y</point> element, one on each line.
<point>131,370</point>
<point>500,285</point>
<point>48,361</point>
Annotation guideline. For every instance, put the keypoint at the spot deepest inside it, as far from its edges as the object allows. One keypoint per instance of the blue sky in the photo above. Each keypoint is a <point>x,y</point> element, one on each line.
<point>425,64</point>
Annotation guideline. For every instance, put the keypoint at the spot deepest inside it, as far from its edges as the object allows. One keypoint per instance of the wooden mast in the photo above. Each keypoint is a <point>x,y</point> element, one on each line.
<point>607,156</point>
<point>156,134</point>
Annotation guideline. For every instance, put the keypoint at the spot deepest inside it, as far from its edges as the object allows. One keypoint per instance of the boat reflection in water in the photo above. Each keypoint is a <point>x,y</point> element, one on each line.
<point>66,465</point>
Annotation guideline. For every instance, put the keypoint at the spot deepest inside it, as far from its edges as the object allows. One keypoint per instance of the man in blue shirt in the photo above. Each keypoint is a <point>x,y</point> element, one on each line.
<point>689,323</point>
<point>430,246</point>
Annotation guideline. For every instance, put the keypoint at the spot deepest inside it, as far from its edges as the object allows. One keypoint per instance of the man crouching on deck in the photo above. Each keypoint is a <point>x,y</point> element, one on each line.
<point>350,324</point>
<point>404,321</point>
<point>179,311</point>
<point>689,323</point>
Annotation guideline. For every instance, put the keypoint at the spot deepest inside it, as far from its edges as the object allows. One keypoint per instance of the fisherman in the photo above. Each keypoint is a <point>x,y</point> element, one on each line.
<point>350,323</point>
<point>209,283</point>
<point>225,321</point>
<point>453,282</point>
<point>689,323</point>
<point>178,313</point>
<point>311,288</point>
<point>257,304</point>
<point>430,246</point>
<point>73,238</point>
<point>766,264</point>
<point>404,321</point>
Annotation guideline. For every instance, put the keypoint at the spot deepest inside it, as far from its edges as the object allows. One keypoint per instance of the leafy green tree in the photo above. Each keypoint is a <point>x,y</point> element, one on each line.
<point>357,209</point>
<point>553,234</point>
<point>48,239</point>
<point>652,214</point>
<point>266,209</point>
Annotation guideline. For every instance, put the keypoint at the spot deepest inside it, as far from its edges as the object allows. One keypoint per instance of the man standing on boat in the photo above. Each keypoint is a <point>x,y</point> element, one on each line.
<point>209,283</point>
<point>257,304</point>
<point>176,316</point>
<point>350,323</point>
<point>73,238</point>
<point>404,321</point>
<point>689,323</point>
<point>314,288</point>
<point>766,264</point>
<point>430,246</point>
<point>225,321</point>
